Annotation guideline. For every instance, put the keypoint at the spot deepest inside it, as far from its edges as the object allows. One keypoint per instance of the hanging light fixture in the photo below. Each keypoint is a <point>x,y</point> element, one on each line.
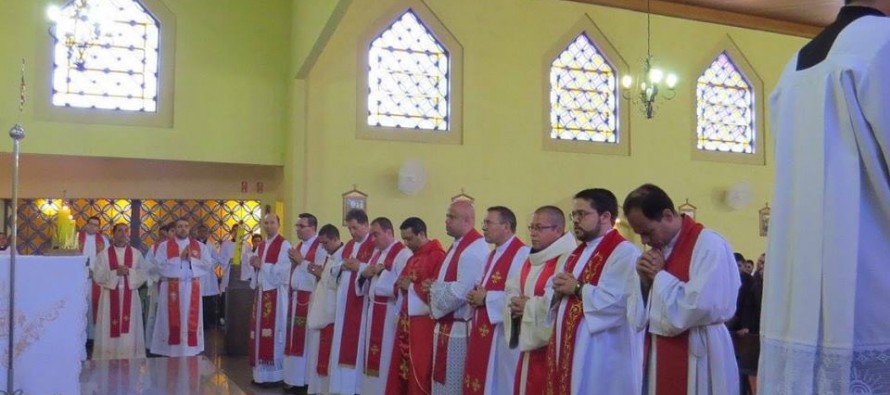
<point>79,25</point>
<point>653,83</point>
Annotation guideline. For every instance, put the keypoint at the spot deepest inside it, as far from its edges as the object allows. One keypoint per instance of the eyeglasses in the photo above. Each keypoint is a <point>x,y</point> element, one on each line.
<point>579,215</point>
<point>540,228</point>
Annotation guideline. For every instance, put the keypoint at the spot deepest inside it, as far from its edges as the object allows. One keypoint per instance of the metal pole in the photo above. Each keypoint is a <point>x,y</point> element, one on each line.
<point>17,133</point>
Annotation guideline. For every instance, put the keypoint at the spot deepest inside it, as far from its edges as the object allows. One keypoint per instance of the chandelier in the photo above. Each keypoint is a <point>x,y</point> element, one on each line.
<point>652,84</point>
<point>79,26</point>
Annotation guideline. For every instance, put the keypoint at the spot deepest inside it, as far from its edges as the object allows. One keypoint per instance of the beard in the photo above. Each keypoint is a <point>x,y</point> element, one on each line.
<point>587,235</point>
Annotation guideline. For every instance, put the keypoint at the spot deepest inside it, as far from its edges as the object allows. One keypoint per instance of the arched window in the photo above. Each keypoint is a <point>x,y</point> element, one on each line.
<point>725,108</point>
<point>583,94</point>
<point>106,55</point>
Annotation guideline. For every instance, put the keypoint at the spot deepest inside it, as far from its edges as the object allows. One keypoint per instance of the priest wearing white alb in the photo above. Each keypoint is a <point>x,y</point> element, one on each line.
<point>493,367</point>
<point>378,283</point>
<point>688,282</point>
<point>458,275</point>
<point>153,279</point>
<point>303,259</point>
<point>179,327</point>
<point>323,312</point>
<point>271,268</point>
<point>120,271</point>
<point>594,349</point>
<point>825,328</point>
<point>347,364</point>
<point>530,295</point>
<point>92,242</point>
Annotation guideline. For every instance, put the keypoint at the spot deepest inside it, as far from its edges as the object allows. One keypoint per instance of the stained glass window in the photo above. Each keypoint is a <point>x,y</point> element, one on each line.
<point>725,109</point>
<point>111,65</point>
<point>408,77</point>
<point>583,94</point>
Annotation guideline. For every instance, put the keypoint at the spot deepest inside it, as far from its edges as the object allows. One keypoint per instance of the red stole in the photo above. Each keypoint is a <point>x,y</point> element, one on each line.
<point>560,366</point>
<point>96,290</point>
<point>483,332</point>
<point>120,324</point>
<point>536,379</point>
<point>353,314</point>
<point>268,301</point>
<point>378,318</point>
<point>672,353</point>
<point>295,333</point>
<point>445,323</point>
<point>173,313</point>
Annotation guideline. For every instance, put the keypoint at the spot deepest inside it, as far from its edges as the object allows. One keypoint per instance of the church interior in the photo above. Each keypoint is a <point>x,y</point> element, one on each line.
<point>222,111</point>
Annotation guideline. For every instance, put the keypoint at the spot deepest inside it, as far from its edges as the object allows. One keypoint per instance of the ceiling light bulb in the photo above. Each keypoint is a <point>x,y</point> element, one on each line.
<point>655,75</point>
<point>671,81</point>
<point>627,81</point>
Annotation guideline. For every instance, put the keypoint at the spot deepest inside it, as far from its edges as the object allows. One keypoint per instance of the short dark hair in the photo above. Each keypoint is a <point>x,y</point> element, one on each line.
<point>357,215</point>
<point>506,215</point>
<point>556,215</point>
<point>117,225</point>
<point>99,220</point>
<point>329,231</point>
<point>313,222</point>
<point>415,224</point>
<point>255,235</point>
<point>202,226</point>
<point>738,256</point>
<point>383,222</point>
<point>601,200</point>
<point>651,200</point>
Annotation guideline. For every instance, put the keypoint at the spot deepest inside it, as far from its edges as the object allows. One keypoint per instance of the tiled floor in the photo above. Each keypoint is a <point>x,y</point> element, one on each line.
<point>210,374</point>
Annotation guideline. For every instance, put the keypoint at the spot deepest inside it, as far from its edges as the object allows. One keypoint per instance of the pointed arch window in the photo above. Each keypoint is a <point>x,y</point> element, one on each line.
<point>583,94</point>
<point>112,65</point>
<point>725,110</point>
<point>408,76</point>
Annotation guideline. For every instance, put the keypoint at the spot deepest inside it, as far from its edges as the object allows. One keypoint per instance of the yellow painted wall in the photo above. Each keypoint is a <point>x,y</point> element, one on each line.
<point>231,93</point>
<point>502,160</point>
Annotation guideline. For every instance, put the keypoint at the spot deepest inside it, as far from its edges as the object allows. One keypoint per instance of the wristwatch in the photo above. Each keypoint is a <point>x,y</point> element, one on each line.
<point>578,289</point>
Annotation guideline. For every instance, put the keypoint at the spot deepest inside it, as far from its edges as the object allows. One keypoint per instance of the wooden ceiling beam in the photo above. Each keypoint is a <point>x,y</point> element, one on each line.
<point>711,15</point>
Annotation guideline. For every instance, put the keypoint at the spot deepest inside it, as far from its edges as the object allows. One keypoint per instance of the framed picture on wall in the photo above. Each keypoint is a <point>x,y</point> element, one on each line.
<point>764,220</point>
<point>353,200</point>
<point>687,209</point>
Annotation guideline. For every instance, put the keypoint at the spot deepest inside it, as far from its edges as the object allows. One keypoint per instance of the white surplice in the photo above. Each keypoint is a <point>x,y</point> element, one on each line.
<point>608,355</point>
<point>295,368</point>
<point>502,359</point>
<point>209,281</point>
<point>127,345</point>
<point>271,277</point>
<point>88,249</point>
<point>185,271</point>
<point>701,306</point>
<point>534,328</point>
<point>451,297</point>
<point>824,327</point>
<point>322,312</point>
<point>346,379</point>
<point>381,286</point>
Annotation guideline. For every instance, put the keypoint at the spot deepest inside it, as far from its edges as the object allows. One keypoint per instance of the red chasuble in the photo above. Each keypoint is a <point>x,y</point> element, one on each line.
<point>378,321</point>
<point>482,335</point>
<point>353,315</point>
<point>536,382</point>
<point>560,365</point>
<point>95,291</point>
<point>269,303</point>
<point>295,341</point>
<point>411,366</point>
<point>173,315</point>
<point>120,323</point>
<point>445,323</point>
<point>672,353</point>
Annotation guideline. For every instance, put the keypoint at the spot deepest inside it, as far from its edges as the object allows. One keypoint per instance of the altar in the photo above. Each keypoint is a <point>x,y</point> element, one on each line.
<point>50,323</point>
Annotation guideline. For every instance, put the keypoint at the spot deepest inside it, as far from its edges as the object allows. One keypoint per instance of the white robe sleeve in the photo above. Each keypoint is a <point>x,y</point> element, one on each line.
<point>605,305</point>
<point>386,282</point>
<point>138,274</point>
<point>203,265</point>
<point>451,296</point>
<point>535,327</point>
<point>496,301</point>
<point>272,276</point>
<point>102,273</point>
<point>708,298</point>
<point>874,88</point>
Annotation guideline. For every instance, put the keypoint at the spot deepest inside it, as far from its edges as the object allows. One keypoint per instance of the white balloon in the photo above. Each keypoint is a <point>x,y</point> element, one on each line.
<point>739,195</point>
<point>412,177</point>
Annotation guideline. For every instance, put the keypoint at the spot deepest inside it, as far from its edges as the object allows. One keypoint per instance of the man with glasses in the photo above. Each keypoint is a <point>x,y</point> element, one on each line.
<point>594,350</point>
<point>530,298</point>
<point>303,257</point>
<point>458,274</point>
<point>492,369</point>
